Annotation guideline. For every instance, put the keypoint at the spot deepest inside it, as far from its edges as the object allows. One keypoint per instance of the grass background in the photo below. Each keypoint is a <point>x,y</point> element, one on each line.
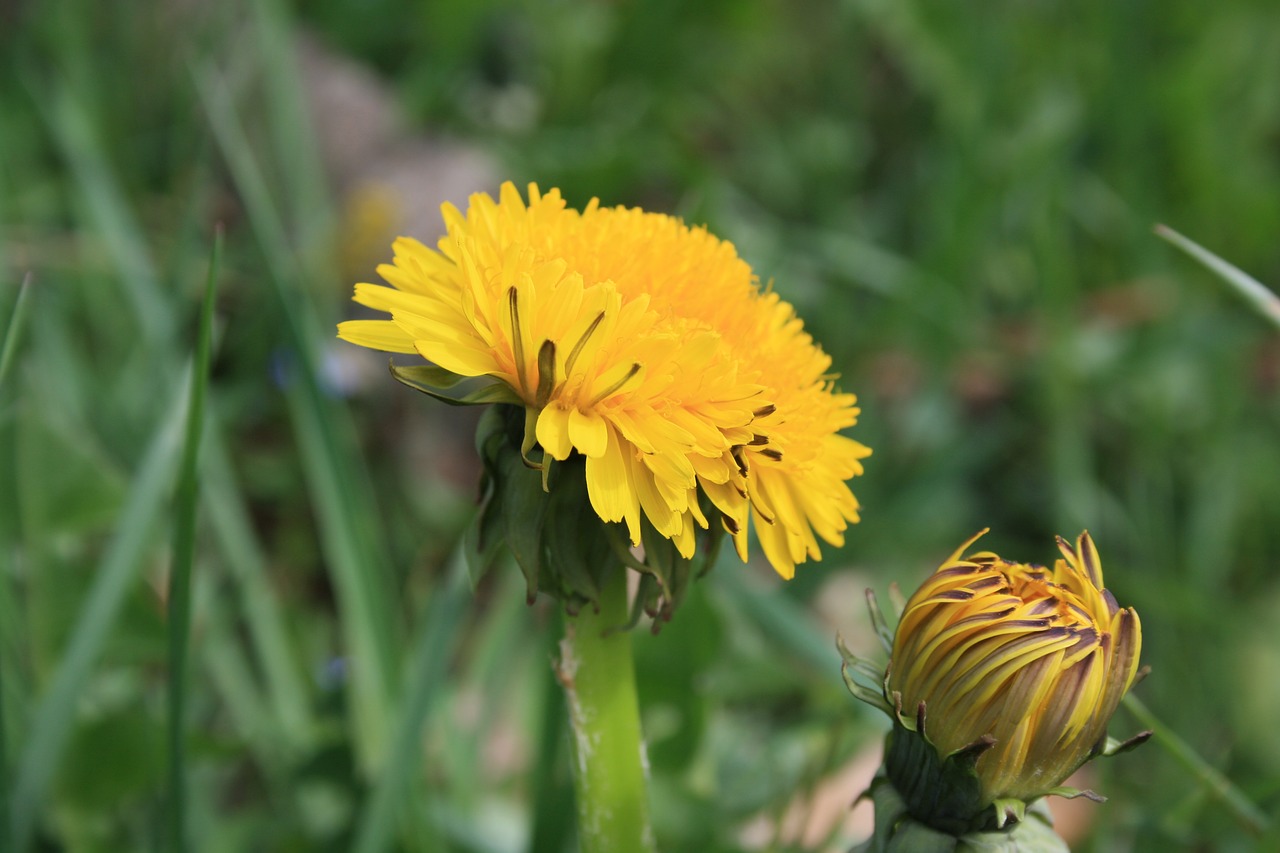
<point>960,205</point>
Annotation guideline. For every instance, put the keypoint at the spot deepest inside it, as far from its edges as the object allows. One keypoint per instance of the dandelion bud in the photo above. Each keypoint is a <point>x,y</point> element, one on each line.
<point>1001,681</point>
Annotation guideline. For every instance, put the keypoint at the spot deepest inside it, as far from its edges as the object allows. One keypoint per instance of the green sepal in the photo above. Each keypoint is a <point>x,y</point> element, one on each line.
<point>883,632</point>
<point>575,540</point>
<point>454,389</point>
<point>896,831</point>
<point>483,539</point>
<point>1071,793</point>
<point>1112,746</point>
<point>943,792</point>
<point>897,599</point>
<point>670,571</point>
<point>541,514</point>
<point>524,513</point>
<point>1010,810</point>
<point>863,678</point>
<point>1032,834</point>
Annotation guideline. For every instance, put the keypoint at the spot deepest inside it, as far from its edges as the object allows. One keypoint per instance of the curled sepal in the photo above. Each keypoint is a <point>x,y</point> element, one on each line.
<point>863,678</point>
<point>1068,793</point>
<point>668,571</point>
<point>883,632</point>
<point>454,389</point>
<point>1118,747</point>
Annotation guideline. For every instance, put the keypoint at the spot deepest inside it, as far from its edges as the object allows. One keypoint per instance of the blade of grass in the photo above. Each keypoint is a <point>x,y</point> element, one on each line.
<point>55,713</point>
<point>184,536</point>
<point>1254,291</point>
<point>1241,807</point>
<point>784,621</point>
<point>111,215</point>
<point>292,127</point>
<point>109,212</point>
<point>7,841</point>
<point>14,328</point>
<point>347,517</point>
<point>428,665</point>
<point>247,564</point>
<point>553,806</point>
<point>8,348</point>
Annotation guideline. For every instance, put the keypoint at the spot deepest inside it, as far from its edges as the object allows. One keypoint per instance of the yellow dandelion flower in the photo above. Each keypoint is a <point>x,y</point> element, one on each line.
<point>647,347</point>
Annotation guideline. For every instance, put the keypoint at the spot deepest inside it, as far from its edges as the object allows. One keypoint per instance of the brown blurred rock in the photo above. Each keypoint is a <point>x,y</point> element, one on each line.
<point>388,176</point>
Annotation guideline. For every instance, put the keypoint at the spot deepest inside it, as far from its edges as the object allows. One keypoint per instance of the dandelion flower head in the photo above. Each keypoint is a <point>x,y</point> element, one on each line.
<point>648,347</point>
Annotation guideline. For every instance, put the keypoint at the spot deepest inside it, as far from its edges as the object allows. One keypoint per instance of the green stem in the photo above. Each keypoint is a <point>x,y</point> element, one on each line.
<point>1249,815</point>
<point>608,752</point>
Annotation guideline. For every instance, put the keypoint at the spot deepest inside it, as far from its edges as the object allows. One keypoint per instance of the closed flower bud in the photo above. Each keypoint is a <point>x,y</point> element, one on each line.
<point>1001,681</point>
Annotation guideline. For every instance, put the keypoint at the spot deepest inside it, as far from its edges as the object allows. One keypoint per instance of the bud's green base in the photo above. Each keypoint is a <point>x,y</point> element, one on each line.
<point>898,832</point>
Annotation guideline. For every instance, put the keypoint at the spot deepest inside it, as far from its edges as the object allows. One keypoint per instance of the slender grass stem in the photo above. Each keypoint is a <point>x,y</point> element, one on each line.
<point>14,330</point>
<point>336,478</point>
<point>8,346</point>
<point>7,841</point>
<point>183,556</point>
<point>1254,291</point>
<point>54,715</point>
<point>598,676</point>
<point>428,672</point>
<point>1240,806</point>
<point>553,797</point>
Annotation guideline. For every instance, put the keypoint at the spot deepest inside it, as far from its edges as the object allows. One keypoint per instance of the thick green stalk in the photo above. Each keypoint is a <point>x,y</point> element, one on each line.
<point>608,752</point>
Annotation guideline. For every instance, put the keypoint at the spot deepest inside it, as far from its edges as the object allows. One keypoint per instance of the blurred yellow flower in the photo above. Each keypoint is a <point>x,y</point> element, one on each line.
<point>644,345</point>
<point>1033,659</point>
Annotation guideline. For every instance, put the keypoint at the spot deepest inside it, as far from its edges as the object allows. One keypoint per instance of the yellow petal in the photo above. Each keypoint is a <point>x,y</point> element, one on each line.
<point>610,489</point>
<point>553,431</point>
<point>588,432</point>
<point>376,334</point>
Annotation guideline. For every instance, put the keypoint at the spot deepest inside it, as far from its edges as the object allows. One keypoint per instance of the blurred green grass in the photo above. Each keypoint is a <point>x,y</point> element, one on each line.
<point>959,205</point>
